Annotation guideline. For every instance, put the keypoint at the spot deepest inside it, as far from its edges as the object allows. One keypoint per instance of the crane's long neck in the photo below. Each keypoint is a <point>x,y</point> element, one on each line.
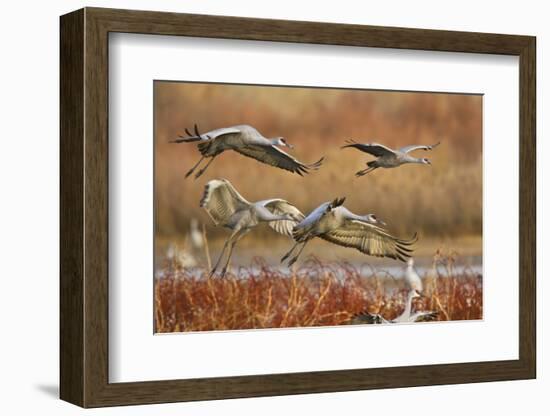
<point>342,213</point>
<point>362,218</point>
<point>408,306</point>
<point>411,159</point>
<point>268,216</point>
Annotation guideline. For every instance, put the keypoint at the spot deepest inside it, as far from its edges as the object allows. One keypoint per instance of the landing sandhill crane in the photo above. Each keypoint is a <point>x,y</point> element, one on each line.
<point>406,316</point>
<point>333,222</point>
<point>228,208</point>
<point>412,279</point>
<point>247,141</point>
<point>389,158</point>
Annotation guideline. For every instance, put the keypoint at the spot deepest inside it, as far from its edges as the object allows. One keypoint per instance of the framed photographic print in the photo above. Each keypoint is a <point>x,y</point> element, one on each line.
<point>256,207</point>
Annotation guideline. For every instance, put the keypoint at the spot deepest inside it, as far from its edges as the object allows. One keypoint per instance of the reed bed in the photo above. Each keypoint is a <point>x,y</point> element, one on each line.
<point>315,294</point>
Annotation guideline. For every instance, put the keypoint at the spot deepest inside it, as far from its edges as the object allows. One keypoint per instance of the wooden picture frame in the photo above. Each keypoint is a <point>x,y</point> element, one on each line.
<point>84,207</point>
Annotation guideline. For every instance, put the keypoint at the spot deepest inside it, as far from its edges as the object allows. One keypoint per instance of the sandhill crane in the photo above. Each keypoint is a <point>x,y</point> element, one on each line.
<point>389,158</point>
<point>412,279</point>
<point>333,222</point>
<point>196,238</point>
<point>406,316</point>
<point>247,141</point>
<point>183,257</point>
<point>186,256</point>
<point>228,208</point>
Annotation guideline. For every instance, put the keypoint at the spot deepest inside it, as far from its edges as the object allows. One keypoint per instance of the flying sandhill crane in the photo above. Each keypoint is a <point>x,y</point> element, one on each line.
<point>228,208</point>
<point>247,141</point>
<point>412,279</point>
<point>389,158</point>
<point>406,316</point>
<point>333,222</point>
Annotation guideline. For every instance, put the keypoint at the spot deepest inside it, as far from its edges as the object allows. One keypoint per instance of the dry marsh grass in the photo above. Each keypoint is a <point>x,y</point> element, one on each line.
<point>315,294</point>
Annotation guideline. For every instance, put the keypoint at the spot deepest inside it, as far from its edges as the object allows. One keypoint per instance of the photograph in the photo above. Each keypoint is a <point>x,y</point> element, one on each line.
<point>306,206</point>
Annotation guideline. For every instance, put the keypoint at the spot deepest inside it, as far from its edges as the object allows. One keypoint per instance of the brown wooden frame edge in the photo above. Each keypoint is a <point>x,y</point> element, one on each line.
<point>84,207</point>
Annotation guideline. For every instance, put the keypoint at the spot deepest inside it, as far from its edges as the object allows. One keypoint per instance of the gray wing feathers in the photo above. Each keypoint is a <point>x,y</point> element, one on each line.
<point>367,318</point>
<point>413,147</point>
<point>280,207</point>
<point>375,149</point>
<point>370,240</point>
<point>424,316</point>
<point>273,156</point>
<point>222,132</point>
<point>221,200</point>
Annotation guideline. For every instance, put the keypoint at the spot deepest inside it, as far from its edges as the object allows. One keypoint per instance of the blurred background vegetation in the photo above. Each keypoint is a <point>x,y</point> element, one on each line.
<point>442,202</point>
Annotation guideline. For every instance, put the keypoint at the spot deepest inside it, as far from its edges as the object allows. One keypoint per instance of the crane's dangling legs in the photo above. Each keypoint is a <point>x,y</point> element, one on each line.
<point>290,252</point>
<point>225,245</point>
<point>190,171</point>
<point>219,260</point>
<point>200,172</point>
<point>241,234</point>
<point>293,259</point>
<point>365,171</point>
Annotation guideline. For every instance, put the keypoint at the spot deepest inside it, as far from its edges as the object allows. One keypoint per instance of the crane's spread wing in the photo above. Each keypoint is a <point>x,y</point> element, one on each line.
<point>371,240</point>
<point>280,207</point>
<point>221,200</point>
<point>276,157</point>
<point>214,134</point>
<point>413,147</point>
<point>203,137</point>
<point>375,149</point>
<point>366,317</point>
<point>424,316</point>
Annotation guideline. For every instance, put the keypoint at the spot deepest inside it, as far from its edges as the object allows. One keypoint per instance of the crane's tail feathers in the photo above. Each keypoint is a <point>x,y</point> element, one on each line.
<point>182,139</point>
<point>350,143</point>
<point>336,203</point>
<point>191,137</point>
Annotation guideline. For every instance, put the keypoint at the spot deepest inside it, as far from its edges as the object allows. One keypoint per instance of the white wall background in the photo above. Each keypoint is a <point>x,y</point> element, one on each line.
<point>29,209</point>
